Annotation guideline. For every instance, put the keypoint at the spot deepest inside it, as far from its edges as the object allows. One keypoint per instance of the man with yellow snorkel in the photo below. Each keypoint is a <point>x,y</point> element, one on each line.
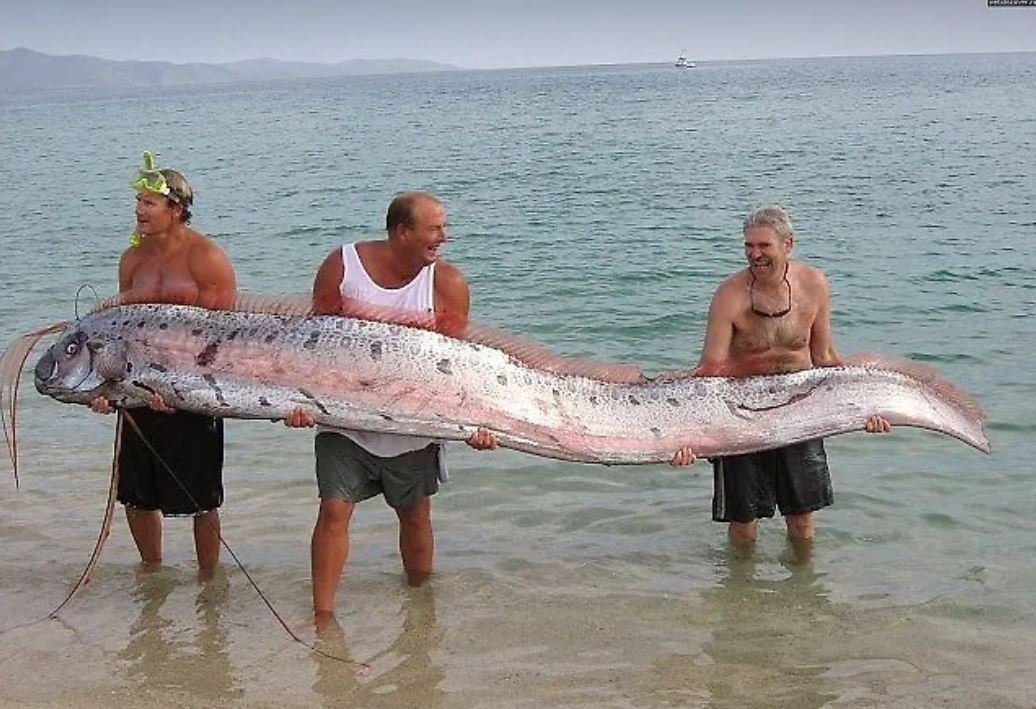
<point>169,262</point>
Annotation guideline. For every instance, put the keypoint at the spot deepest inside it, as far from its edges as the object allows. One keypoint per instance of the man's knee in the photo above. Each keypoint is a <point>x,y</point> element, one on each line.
<point>334,514</point>
<point>416,517</point>
<point>742,534</point>
<point>800,526</point>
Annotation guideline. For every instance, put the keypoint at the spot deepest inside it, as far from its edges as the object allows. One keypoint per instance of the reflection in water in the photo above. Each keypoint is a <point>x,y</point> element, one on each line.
<point>763,634</point>
<point>189,657</point>
<point>762,624</point>
<point>412,679</point>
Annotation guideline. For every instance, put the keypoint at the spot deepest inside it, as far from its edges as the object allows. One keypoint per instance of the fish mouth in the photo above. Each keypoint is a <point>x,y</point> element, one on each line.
<point>45,368</point>
<point>46,381</point>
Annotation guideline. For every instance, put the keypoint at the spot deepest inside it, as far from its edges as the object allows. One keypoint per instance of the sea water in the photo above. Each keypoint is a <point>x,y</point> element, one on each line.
<point>593,209</point>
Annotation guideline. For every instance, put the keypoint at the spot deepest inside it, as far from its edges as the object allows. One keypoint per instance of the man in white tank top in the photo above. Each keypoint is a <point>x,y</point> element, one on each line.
<point>400,274</point>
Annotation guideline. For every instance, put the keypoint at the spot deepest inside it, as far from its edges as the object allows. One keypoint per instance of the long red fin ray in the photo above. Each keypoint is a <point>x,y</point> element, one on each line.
<point>106,524</point>
<point>11,364</point>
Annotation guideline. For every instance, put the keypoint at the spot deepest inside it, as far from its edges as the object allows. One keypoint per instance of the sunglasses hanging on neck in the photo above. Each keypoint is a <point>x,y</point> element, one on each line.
<point>766,313</point>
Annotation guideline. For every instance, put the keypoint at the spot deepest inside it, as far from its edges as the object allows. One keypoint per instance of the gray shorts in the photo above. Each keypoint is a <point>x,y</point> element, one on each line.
<point>349,471</point>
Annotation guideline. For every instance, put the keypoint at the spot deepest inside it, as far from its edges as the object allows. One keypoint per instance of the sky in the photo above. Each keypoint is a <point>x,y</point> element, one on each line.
<point>490,34</point>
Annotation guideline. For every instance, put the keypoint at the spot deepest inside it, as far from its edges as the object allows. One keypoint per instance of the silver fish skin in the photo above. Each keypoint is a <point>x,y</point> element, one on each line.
<point>372,376</point>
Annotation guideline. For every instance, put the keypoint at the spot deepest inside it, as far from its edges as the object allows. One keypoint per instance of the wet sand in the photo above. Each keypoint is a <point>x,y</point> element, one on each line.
<point>546,629</point>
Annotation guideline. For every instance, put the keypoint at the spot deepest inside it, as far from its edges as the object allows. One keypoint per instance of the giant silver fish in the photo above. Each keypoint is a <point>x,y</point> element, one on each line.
<point>384,377</point>
<point>391,378</point>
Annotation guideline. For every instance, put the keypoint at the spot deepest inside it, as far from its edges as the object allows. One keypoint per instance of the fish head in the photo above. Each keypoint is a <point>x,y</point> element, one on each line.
<point>76,367</point>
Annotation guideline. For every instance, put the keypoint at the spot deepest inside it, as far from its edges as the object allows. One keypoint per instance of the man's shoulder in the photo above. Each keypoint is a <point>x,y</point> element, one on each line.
<point>130,256</point>
<point>365,245</point>
<point>733,282</point>
<point>206,253</point>
<point>202,243</point>
<point>811,274</point>
<point>445,269</point>
<point>370,252</point>
<point>448,278</point>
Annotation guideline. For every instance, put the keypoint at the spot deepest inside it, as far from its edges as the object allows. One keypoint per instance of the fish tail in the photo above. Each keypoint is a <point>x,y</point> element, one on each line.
<point>930,377</point>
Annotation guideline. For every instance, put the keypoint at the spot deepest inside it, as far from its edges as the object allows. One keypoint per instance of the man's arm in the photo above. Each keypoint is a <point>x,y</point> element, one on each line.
<point>327,300</point>
<point>214,274</point>
<point>719,333</point>
<point>126,264</point>
<point>452,300</point>
<point>327,294</point>
<point>452,305</point>
<point>822,347</point>
<point>822,350</point>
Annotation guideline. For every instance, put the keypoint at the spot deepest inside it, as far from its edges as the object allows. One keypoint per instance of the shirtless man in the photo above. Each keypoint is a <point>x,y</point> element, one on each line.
<point>169,262</point>
<point>772,316</point>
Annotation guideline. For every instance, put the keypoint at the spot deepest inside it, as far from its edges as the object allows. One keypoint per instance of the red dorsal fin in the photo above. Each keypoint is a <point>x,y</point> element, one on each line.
<point>358,310</point>
<point>743,367</point>
<point>927,374</point>
<point>527,351</point>
<point>288,304</point>
<point>538,356</point>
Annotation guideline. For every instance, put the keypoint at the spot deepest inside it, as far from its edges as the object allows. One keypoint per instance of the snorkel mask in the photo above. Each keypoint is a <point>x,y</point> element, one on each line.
<point>150,179</point>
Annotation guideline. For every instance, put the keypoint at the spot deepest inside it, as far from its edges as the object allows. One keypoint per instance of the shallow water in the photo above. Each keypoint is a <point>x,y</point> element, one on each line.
<point>594,209</point>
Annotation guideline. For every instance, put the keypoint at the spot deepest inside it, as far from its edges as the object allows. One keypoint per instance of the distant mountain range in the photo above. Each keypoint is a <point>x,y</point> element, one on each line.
<point>26,70</point>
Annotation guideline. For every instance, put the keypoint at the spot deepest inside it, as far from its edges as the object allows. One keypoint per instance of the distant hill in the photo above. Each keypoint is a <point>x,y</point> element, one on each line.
<point>24,70</point>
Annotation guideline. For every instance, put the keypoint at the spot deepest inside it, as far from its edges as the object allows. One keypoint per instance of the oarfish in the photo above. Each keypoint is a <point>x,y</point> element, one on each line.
<point>390,378</point>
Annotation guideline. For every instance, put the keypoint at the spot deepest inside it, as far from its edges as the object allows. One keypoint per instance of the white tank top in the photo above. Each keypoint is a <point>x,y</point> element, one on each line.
<point>418,296</point>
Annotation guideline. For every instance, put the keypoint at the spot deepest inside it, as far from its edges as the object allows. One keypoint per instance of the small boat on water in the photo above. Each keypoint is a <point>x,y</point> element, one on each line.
<point>682,62</point>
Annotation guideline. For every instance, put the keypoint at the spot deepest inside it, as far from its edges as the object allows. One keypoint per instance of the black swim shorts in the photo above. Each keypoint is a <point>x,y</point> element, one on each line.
<point>189,444</point>
<point>794,479</point>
